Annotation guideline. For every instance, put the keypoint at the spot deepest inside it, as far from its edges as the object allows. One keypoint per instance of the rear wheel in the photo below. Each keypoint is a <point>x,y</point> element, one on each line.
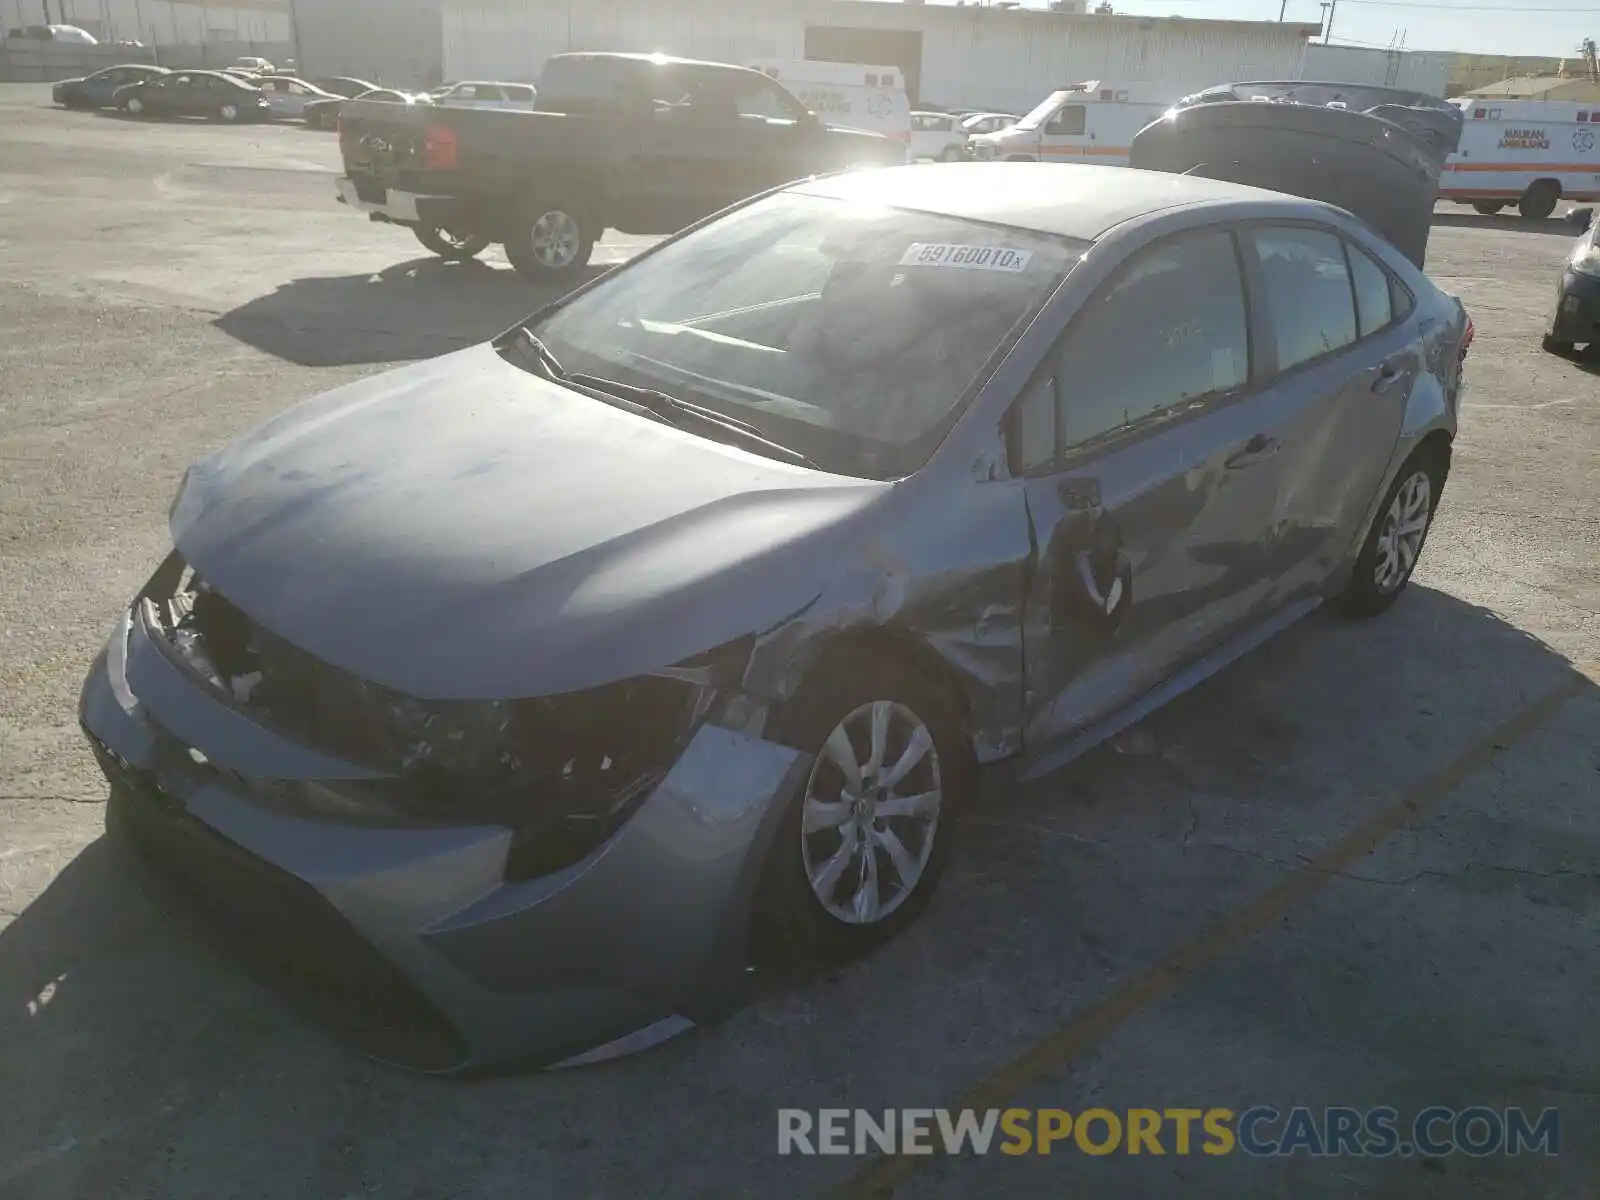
<point>551,241</point>
<point>1488,207</point>
<point>1552,346</point>
<point>860,850</point>
<point>449,244</point>
<point>1540,200</point>
<point>1394,543</point>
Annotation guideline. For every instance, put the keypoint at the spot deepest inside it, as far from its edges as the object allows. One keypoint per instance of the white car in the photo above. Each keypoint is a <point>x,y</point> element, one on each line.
<point>259,66</point>
<point>991,122</point>
<point>936,135</point>
<point>488,94</point>
<point>288,97</point>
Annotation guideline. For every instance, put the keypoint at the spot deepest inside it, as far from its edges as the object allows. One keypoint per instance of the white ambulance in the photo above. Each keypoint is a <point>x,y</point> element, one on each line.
<point>1091,121</point>
<point>854,95</point>
<point>1531,153</point>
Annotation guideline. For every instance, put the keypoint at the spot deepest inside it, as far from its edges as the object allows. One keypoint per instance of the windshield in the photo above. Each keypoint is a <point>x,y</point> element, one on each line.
<point>851,334</point>
<point>1045,109</point>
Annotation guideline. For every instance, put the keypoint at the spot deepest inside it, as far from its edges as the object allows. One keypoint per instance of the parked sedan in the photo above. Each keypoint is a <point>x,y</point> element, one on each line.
<point>532,688</point>
<point>936,135</point>
<point>976,124</point>
<point>96,90</point>
<point>488,94</point>
<point>346,86</point>
<point>194,94</point>
<point>1577,315</point>
<point>288,97</point>
<point>324,114</point>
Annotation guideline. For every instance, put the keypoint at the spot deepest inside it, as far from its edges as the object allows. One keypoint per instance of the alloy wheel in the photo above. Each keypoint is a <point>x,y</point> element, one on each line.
<point>871,812</point>
<point>555,240</point>
<point>1404,527</point>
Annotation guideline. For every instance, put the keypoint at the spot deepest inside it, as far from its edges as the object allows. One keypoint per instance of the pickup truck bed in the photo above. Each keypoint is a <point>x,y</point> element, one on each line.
<point>547,184</point>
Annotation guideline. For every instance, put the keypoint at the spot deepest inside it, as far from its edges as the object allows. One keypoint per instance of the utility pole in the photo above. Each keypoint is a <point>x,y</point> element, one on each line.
<point>1332,7</point>
<point>1283,10</point>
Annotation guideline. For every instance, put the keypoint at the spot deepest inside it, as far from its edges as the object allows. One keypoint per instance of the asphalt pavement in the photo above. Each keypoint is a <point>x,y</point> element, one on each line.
<point>1360,868</point>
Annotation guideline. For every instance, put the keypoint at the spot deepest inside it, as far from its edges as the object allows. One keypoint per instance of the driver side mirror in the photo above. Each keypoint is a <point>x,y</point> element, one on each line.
<point>1581,218</point>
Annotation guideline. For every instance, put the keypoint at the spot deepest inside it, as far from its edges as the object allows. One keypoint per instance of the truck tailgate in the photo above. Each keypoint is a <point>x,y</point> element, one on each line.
<point>382,140</point>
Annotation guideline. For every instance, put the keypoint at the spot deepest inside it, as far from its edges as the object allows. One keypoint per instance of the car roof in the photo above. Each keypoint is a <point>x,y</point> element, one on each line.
<point>1066,199</point>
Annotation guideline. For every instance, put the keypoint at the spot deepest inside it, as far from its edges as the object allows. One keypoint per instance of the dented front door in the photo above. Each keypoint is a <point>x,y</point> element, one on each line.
<point>1153,483</point>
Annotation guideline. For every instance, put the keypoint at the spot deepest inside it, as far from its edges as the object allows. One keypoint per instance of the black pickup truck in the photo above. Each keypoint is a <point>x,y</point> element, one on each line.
<point>644,144</point>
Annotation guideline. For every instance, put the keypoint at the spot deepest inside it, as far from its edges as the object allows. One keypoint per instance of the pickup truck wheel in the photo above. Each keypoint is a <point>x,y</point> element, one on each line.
<point>1488,207</point>
<point>450,245</point>
<point>550,243</point>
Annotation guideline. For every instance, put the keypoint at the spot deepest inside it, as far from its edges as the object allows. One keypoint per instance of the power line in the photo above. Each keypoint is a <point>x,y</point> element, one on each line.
<point>1502,8</point>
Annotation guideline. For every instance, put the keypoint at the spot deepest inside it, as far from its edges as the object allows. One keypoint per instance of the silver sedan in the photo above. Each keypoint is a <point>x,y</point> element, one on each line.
<point>513,703</point>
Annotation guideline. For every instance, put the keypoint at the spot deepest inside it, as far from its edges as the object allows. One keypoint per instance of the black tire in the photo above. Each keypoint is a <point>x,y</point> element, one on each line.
<point>1364,597</point>
<point>228,113</point>
<point>1540,200</point>
<point>793,928</point>
<point>1488,207</point>
<point>133,107</point>
<point>449,246</point>
<point>1561,349</point>
<point>542,218</point>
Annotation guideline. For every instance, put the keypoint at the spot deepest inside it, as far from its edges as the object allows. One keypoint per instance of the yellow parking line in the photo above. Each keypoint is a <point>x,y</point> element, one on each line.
<point>1097,1023</point>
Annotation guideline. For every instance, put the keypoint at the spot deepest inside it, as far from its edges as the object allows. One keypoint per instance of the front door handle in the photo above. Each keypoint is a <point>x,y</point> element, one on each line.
<point>1257,449</point>
<point>1388,376</point>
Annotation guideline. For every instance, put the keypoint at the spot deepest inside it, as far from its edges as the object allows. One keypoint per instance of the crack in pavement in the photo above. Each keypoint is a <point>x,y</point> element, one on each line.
<point>1306,861</point>
<point>57,799</point>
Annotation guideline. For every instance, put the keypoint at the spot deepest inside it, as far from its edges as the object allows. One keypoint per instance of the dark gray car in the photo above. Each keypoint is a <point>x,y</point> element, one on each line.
<point>511,701</point>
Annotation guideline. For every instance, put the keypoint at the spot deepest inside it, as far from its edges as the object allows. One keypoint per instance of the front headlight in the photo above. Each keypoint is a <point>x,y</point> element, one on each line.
<point>1586,260</point>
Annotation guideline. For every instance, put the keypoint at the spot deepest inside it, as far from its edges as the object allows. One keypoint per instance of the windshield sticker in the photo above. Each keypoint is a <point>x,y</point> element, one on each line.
<point>966,258</point>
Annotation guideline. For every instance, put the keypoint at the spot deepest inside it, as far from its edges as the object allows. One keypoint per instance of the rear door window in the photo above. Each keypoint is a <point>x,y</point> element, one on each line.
<point>1308,292</point>
<point>1374,299</point>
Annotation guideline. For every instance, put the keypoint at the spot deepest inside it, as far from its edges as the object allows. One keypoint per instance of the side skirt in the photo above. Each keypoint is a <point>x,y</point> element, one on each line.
<point>1190,677</point>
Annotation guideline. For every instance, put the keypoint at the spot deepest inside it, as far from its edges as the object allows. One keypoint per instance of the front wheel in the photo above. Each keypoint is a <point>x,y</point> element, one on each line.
<point>551,242</point>
<point>951,154</point>
<point>134,107</point>
<point>1394,542</point>
<point>228,113</point>
<point>860,850</point>
<point>450,245</point>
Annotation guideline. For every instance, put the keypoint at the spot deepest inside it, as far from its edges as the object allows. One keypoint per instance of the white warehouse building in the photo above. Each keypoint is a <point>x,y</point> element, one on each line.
<point>955,55</point>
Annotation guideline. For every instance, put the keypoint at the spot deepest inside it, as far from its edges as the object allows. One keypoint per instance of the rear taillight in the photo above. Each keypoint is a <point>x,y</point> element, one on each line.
<point>439,148</point>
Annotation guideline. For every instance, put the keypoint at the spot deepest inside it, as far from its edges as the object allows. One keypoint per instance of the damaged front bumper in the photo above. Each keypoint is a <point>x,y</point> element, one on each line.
<point>412,938</point>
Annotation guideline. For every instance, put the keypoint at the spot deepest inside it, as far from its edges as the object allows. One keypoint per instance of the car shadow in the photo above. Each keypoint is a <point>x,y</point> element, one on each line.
<point>1553,225</point>
<point>127,1030</point>
<point>409,311</point>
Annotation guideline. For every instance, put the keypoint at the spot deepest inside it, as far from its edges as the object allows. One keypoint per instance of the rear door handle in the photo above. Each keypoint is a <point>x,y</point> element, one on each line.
<point>1388,376</point>
<point>1257,449</point>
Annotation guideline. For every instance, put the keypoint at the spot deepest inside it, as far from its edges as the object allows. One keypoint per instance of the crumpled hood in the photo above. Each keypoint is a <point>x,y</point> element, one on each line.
<point>461,529</point>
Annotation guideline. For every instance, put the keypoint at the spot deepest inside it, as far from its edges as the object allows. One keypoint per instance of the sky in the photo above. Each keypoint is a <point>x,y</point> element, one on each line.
<point>1550,28</point>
